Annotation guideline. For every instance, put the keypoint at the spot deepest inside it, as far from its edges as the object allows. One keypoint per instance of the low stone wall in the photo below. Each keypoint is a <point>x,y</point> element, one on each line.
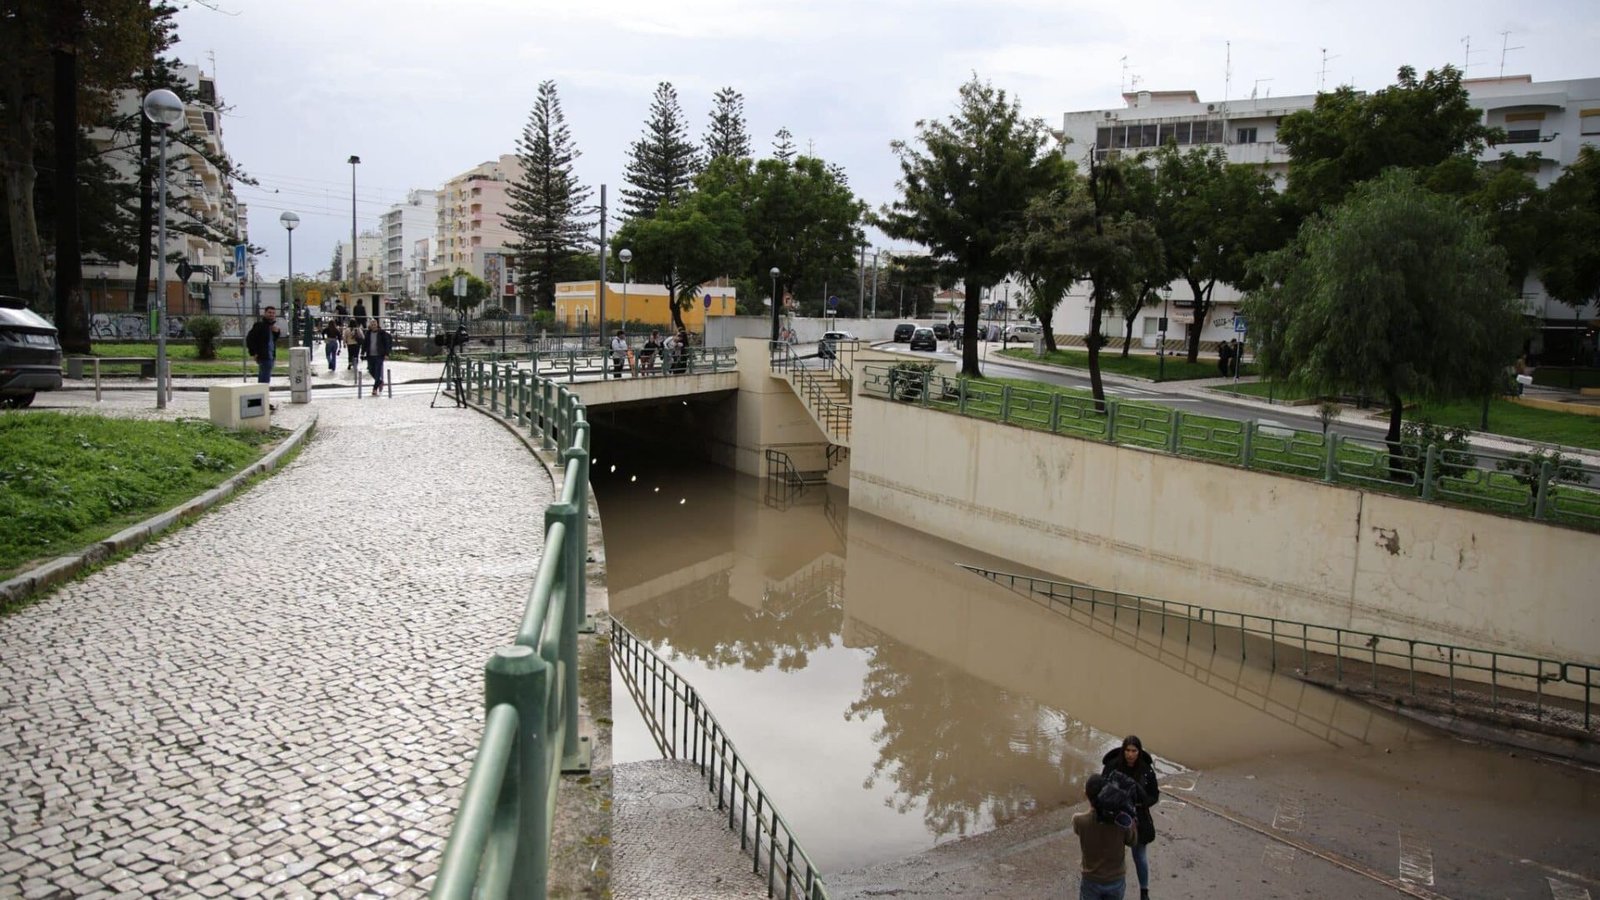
<point>1146,523</point>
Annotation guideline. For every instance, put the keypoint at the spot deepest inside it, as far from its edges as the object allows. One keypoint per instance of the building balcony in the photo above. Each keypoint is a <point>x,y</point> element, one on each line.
<point>1261,153</point>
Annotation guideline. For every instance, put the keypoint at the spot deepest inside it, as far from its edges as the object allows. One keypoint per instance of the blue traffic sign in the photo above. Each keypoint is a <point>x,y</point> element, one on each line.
<point>708,301</point>
<point>833,302</point>
<point>238,260</point>
<point>1238,324</point>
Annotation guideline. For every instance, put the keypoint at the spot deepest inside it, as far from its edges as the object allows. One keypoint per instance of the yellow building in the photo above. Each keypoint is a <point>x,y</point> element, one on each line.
<point>578,305</point>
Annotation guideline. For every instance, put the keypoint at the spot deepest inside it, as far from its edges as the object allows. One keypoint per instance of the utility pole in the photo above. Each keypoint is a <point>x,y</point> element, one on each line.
<point>601,289</point>
<point>861,276</point>
<point>875,284</point>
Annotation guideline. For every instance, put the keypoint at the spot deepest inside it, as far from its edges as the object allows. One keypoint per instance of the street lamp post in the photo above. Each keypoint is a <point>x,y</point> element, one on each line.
<point>626,256</point>
<point>164,110</point>
<point>1161,336</point>
<point>775,301</point>
<point>290,222</point>
<point>355,250</point>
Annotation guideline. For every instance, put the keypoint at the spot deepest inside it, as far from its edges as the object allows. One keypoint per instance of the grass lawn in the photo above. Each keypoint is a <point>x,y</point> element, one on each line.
<point>1138,365</point>
<point>67,481</point>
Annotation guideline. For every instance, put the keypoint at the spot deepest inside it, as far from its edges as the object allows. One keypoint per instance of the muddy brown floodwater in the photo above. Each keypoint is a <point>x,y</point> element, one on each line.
<point>890,701</point>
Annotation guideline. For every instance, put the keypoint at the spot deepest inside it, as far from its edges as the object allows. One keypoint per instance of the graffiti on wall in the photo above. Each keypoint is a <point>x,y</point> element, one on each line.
<point>136,326</point>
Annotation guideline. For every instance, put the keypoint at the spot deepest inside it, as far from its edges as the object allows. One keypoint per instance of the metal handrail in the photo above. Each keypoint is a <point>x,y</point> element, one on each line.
<point>1564,493</point>
<point>500,842</point>
<point>834,417</point>
<point>569,364</point>
<point>1514,680</point>
<point>683,728</point>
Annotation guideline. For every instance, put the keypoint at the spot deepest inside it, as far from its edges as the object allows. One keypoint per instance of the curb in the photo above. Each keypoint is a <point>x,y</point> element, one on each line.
<point>64,568</point>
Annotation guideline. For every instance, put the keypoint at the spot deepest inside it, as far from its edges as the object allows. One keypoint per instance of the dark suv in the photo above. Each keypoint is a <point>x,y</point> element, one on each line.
<point>903,332</point>
<point>30,355</point>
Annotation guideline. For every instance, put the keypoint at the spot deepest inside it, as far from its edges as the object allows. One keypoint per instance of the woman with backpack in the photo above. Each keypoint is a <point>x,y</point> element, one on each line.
<point>1130,759</point>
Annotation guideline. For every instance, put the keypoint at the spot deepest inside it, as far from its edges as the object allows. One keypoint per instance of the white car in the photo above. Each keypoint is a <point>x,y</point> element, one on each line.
<point>1023,332</point>
<point>829,339</point>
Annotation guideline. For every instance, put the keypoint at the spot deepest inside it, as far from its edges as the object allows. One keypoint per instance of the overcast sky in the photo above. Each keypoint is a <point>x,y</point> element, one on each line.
<point>423,90</point>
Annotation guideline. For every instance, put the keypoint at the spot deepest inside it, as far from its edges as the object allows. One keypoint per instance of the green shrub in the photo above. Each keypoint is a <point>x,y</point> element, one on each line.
<point>1454,459</point>
<point>907,379</point>
<point>1525,468</point>
<point>205,330</point>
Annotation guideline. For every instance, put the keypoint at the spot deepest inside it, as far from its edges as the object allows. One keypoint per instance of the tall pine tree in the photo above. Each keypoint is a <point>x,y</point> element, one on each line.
<point>662,163</point>
<point>783,147</point>
<point>727,135</point>
<point>548,212</point>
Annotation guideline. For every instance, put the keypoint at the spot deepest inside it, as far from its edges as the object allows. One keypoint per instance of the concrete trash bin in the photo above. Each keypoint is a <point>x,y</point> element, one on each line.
<point>241,406</point>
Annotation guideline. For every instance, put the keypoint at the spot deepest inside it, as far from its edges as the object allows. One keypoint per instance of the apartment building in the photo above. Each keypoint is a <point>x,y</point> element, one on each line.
<point>1550,119</point>
<point>470,228</point>
<point>402,226</point>
<point>197,191</point>
<point>370,260</point>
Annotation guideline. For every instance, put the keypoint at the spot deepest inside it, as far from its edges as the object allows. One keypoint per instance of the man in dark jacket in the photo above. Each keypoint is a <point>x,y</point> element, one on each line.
<point>1131,760</point>
<point>261,342</point>
<point>375,346</point>
<point>1102,833</point>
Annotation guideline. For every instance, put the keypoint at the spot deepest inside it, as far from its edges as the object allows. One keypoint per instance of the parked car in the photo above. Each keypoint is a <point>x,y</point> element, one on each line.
<point>941,331</point>
<point>1027,333</point>
<point>825,346</point>
<point>30,354</point>
<point>923,339</point>
<point>903,331</point>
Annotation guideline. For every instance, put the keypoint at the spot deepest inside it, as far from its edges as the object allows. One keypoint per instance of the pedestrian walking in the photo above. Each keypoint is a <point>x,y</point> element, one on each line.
<point>1223,357</point>
<point>262,343</point>
<point>352,343</point>
<point>1131,760</point>
<point>376,346</point>
<point>361,313</point>
<point>1233,357</point>
<point>619,353</point>
<point>1102,833</point>
<point>332,340</point>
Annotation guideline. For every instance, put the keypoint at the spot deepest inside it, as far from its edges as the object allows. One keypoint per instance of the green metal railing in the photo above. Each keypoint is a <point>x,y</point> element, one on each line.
<point>683,728</point>
<point>1565,493</point>
<point>500,844</point>
<point>571,364</point>
<point>812,389</point>
<point>1552,690</point>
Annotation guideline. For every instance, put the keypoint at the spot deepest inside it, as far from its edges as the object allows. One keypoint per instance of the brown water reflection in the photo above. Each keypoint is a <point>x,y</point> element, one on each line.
<point>889,700</point>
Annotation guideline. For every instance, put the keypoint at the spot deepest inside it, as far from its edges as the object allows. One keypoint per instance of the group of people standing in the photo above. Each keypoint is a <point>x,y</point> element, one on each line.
<point>1120,798</point>
<point>1228,357</point>
<point>672,353</point>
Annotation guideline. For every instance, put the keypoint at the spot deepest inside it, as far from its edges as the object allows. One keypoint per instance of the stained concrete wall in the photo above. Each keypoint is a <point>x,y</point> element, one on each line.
<point>1146,523</point>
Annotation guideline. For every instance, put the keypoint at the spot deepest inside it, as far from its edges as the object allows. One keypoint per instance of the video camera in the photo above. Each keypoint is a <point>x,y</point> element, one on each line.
<point>455,338</point>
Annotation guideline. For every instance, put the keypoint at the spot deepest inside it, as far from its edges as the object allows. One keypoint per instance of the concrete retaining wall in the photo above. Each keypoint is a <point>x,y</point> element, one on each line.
<point>1146,523</point>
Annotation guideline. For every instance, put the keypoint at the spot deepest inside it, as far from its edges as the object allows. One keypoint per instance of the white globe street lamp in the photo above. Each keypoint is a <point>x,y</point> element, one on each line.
<point>775,302</point>
<point>626,256</point>
<point>164,110</point>
<point>290,222</point>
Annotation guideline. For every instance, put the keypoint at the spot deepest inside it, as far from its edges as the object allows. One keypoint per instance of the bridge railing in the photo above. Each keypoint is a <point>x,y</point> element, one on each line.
<point>1548,488</point>
<point>813,391</point>
<point>572,364</point>
<point>1556,691</point>
<point>683,728</point>
<point>500,843</point>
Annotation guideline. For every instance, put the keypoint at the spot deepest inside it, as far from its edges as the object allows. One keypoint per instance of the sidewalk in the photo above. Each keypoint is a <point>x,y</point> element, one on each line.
<point>1206,389</point>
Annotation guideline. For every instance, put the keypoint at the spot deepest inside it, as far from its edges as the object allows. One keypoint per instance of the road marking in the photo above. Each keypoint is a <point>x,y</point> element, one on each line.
<point>1560,890</point>
<point>1291,812</point>
<point>1416,860</point>
<point>1279,858</point>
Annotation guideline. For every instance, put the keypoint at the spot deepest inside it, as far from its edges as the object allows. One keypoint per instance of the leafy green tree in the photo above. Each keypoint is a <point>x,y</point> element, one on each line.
<point>661,163</point>
<point>548,205</point>
<point>1348,137</point>
<point>205,330</point>
<point>1148,267</point>
<point>783,147</point>
<point>1511,205</point>
<point>1398,291</point>
<point>802,217</point>
<point>444,289</point>
<point>1211,218</point>
<point>727,135</point>
<point>687,244</point>
<point>964,192</point>
<point>1569,233</point>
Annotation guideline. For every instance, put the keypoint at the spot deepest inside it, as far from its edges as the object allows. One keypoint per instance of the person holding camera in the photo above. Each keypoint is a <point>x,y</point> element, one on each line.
<point>1131,760</point>
<point>1103,830</point>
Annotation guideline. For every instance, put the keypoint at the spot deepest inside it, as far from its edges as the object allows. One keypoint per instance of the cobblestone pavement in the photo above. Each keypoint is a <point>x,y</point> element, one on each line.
<point>677,842</point>
<point>283,698</point>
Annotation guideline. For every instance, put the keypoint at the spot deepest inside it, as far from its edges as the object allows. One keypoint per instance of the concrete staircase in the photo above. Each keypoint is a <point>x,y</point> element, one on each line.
<point>826,397</point>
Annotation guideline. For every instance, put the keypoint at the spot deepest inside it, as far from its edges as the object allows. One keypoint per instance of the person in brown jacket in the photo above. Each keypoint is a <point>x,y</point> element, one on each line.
<point>1103,833</point>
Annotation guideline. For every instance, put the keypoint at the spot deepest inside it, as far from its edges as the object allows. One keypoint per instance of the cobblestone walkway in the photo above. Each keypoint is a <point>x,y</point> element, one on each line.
<point>283,698</point>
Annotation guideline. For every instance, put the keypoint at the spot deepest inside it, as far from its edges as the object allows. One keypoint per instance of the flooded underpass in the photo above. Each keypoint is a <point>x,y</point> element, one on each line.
<point>891,701</point>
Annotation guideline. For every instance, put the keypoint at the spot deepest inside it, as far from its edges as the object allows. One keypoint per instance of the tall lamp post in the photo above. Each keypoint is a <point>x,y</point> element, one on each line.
<point>775,302</point>
<point>164,110</point>
<point>355,251</point>
<point>290,222</point>
<point>1161,336</point>
<point>626,256</point>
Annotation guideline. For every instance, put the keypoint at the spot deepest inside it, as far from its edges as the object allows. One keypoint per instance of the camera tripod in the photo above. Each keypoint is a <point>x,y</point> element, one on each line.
<point>452,366</point>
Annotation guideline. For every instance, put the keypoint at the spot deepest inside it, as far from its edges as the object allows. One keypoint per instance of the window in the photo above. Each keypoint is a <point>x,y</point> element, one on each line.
<point>1589,119</point>
<point>1522,136</point>
<point>1245,136</point>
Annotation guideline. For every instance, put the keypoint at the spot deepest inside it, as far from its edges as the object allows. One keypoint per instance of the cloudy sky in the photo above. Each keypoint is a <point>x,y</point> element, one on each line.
<point>422,90</point>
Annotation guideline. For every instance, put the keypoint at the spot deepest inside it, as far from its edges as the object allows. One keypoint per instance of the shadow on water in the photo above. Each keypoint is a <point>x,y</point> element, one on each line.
<point>890,700</point>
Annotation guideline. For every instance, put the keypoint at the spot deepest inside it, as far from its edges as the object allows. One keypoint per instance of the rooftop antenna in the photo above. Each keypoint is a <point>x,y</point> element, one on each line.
<point>1505,38</point>
<point>1123,87</point>
<point>1227,87</point>
<point>1466,55</point>
<point>1322,75</point>
<point>1257,86</point>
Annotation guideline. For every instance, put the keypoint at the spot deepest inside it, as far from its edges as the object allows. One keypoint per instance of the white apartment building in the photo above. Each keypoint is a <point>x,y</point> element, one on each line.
<point>196,190</point>
<point>470,226</point>
<point>369,261</point>
<point>1551,119</point>
<point>403,225</point>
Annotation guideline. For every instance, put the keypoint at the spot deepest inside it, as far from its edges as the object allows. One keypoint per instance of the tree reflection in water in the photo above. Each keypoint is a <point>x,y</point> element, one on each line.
<point>976,756</point>
<point>703,622</point>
